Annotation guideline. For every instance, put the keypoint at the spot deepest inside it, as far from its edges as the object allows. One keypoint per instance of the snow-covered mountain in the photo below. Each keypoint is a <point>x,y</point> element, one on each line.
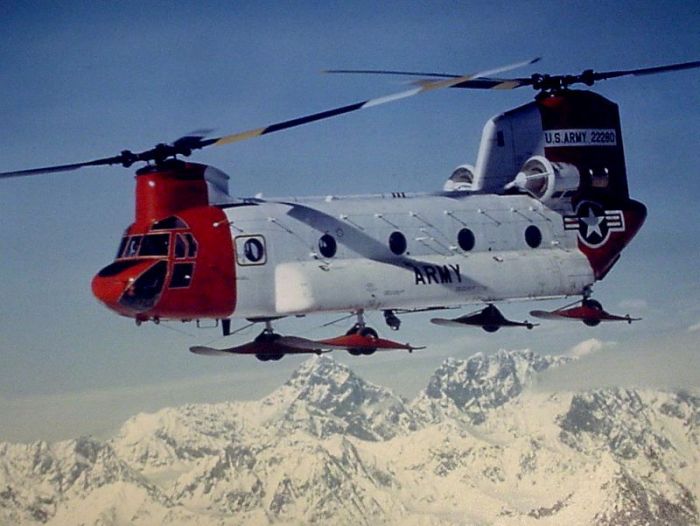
<point>476,446</point>
<point>469,389</point>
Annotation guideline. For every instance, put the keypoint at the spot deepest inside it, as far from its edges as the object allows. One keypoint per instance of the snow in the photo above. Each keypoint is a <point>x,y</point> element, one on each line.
<point>476,446</point>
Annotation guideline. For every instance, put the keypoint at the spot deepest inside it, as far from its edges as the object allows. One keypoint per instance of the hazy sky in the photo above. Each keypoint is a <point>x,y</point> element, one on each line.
<point>81,80</point>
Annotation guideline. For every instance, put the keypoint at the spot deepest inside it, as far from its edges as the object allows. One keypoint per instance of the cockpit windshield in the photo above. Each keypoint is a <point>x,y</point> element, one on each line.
<point>148,245</point>
<point>155,245</point>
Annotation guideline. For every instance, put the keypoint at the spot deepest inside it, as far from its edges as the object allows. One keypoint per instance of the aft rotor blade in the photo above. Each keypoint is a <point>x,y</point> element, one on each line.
<point>647,71</point>
<point>422,88</point>
<point>481,82</point>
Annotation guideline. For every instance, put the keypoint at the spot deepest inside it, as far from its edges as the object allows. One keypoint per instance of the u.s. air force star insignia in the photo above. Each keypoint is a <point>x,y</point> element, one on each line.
<point>594,223</point>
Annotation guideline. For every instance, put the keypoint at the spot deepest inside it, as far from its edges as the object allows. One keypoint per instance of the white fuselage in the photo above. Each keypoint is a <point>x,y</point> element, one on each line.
<point>282,270</point>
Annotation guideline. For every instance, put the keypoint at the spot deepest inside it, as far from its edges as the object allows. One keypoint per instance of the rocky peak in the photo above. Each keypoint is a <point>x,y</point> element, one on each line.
<point>469,388</point>
<point>325,397</point>
<point>54,473</point>
<point>617,418</point>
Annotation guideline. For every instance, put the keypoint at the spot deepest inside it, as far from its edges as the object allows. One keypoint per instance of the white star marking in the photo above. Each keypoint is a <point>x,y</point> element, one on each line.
<point>592,223</point>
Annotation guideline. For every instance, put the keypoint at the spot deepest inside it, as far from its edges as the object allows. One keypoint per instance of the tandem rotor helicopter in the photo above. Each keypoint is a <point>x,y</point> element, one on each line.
<point>544,213</point>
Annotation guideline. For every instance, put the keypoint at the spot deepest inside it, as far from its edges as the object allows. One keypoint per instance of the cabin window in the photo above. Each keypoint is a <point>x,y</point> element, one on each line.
<point>251,250</point>
<point>533,236</point>
<point>465,239</point>
<point>327,246</point>
<point>397,243</point>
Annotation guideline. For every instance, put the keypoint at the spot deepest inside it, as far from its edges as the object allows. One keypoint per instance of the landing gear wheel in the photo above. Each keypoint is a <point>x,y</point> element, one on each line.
<point>365,332</point>
<point>371,334</point>
<point>595,305</point>
<point>266,357</point>
<point>592,304</point>
<point>268,337</point>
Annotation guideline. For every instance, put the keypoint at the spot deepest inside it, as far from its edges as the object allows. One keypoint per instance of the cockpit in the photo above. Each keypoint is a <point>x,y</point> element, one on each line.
<point>147,263</point>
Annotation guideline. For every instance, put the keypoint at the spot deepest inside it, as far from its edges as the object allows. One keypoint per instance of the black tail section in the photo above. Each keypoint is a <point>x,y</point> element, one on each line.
<point>582,128</point>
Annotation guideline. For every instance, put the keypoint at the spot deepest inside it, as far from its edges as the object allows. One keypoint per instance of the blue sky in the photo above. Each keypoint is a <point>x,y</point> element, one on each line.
<point>81,80</point>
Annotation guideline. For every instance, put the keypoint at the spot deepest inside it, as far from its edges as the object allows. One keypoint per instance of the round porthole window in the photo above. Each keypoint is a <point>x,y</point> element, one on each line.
<point>253,250</point>
<point>465,239</point>
<point>397,243</point>
<point>533,236</point>
<point>327,246</point>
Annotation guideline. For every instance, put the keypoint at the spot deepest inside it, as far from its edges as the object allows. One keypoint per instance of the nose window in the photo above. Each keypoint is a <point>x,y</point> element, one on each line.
<point>143,293</point>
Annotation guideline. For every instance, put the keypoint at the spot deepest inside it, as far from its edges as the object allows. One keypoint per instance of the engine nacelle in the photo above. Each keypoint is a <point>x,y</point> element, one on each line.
<point>545,180</point>
<point>461,180</point>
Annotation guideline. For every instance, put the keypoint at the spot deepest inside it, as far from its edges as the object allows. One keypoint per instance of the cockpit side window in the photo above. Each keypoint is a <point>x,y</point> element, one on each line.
<point>191,246</point>
<point>122,246</point>
<point>132,247</point>
<point>180,246</point>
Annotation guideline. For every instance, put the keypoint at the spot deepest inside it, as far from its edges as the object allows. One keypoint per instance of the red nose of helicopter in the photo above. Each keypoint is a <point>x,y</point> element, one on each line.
<point>130,287</point>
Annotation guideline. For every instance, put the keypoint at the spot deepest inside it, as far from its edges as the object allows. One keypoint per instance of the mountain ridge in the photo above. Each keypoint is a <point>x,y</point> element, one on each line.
<point>330,447</point>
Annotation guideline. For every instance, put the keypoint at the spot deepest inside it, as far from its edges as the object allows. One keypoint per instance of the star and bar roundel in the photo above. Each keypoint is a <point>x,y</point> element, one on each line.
<point>594,224</point>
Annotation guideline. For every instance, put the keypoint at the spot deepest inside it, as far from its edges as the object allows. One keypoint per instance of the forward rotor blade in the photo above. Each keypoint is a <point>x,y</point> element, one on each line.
<point>197,140</point>
<point>62,167</point>
<point>424,87</point>
<point>391,72</point>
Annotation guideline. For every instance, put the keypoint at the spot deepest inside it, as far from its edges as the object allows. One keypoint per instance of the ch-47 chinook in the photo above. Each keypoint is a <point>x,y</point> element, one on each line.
<point>544,213</point>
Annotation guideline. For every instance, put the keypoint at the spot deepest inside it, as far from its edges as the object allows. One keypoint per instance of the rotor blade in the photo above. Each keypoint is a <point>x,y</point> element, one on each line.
<point>62,167</point>
<point>647,71</point>
<point>391,72</point>
<point>478,83</point>
<point>494,83</point>
<point>424,87</point>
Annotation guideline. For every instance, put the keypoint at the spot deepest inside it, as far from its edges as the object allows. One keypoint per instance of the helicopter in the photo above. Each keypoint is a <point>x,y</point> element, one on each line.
<point>544,213</point>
